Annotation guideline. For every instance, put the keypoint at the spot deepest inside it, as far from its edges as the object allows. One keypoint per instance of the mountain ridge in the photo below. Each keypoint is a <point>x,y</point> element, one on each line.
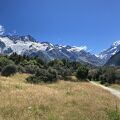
<point>114,60</point>
<point>47,51</point>
<point>112,50</point>
<point>29,46</point>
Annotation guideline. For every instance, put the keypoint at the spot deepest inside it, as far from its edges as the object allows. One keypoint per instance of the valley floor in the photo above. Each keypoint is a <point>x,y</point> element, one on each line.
<point>58,101</point>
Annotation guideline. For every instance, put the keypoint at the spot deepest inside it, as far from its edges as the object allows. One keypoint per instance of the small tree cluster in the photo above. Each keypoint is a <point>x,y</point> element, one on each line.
<point>43,75</point>
<point>9,70</point>
<point>94,74</point>
<point>64,67</point>
<point>4,61</point>
<point>50,71</point>
<point>82,73</point>
<point>106,75</point>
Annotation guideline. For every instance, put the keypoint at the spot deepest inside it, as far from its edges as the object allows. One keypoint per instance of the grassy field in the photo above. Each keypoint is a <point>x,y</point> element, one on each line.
<point>59,101</point>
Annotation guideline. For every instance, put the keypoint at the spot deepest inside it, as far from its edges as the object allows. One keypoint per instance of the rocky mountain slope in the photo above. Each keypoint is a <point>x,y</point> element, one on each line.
<point>114,60</point>
<point>29,46</point>
<point>108,53</point>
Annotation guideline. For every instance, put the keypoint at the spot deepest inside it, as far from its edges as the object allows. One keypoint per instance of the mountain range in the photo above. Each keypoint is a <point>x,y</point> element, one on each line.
<point>27,45</point>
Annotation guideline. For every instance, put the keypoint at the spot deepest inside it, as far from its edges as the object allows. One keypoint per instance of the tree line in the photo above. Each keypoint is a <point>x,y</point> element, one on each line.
<point>54,70</point>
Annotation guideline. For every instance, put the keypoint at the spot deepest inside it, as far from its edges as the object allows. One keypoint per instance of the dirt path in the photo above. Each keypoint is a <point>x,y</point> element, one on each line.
<point>111,90</point>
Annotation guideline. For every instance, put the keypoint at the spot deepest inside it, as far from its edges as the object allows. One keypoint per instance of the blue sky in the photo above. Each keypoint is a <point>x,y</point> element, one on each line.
<point>94,23</point>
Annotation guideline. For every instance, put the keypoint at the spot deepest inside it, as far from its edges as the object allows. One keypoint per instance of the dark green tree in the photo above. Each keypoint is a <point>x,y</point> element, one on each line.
<point>9,70</point>
<point>4,61</point>
<point>82,72</point>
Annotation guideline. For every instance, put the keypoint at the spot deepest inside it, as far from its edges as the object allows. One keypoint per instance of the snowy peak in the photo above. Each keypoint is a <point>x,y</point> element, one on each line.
<point>116,43</point>
<point>21,44</point>
<point>45,50</point>
<point>71,48</point>
<point>108,53</point>
<point>77,49</point>
<point>19,38</point>
<point>28,45</point>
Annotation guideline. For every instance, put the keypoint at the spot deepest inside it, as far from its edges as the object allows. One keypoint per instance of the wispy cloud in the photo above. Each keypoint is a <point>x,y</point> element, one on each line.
<point>2,30</point>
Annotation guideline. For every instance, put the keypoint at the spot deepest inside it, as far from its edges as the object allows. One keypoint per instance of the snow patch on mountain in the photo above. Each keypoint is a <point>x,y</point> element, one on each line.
<point>116,43</point>
<point>77,49</point>
<point>108,53</point>
<point>47,51</point>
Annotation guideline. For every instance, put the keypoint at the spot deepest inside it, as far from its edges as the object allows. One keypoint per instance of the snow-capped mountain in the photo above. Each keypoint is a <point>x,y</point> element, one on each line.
<point>108,53</point>
<point>47,51</point>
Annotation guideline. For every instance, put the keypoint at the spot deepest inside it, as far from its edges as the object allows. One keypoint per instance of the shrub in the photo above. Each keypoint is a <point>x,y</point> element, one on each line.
<point>53,74</point>
<point>64,72</point>
<point>33,79</point>
<point>21,69</point>
<point>82,72</point>
<point>56,63</point>
<point>93,74</point>
<point>43,75</point>
<point>32,69</point>
<point>16,58</point>
<point>4,62</point>
<point>108,76</point>
<point>30,66</point>
<point>117,74</point>
<point>9,70</point>
<point>102,79</point>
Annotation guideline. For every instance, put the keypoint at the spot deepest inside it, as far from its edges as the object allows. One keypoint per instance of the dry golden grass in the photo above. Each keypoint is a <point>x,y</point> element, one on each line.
<point>59,101</point>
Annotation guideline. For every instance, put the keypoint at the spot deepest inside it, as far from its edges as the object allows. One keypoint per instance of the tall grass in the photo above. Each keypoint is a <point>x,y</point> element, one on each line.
<point>58,101</point>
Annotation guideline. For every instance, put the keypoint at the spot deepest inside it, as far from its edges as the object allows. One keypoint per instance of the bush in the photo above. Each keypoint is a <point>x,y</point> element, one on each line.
<point>64,72</point>
<point>9,70</point>
<point>82,72</point>
<point>108,76</point>
<point>32,69</point>
<point>43,75</point>
<point>117,74</point>
<point>56,63</point>
<point>102,79</point>
<point>94,74</point>
<point>21,69</point>
<point>53,73</point>
<point>4,62</point>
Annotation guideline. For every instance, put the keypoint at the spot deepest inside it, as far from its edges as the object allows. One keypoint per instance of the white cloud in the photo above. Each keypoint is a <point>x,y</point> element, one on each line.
<point>2,30</point>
